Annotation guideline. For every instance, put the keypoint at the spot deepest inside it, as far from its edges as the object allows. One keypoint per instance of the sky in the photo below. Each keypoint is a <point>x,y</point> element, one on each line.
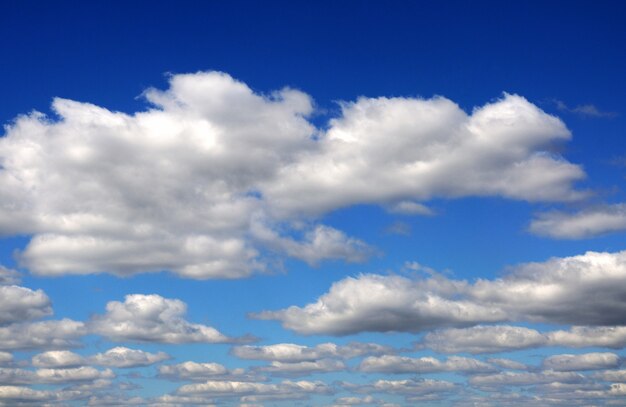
<point>355,203</point>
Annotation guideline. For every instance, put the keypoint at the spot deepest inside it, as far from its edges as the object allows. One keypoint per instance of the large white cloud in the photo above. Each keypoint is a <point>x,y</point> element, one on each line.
<point>152,318</point>
<point>587,223</point>
<point>184,185</point>
<point>560,290</point>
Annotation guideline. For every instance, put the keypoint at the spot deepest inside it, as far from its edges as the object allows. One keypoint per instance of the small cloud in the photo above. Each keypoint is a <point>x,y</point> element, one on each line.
<point>398,228</point>
<point>586,110</point>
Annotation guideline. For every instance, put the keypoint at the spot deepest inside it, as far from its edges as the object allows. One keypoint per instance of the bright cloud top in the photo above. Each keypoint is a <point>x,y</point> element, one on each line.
<point>214,174</point>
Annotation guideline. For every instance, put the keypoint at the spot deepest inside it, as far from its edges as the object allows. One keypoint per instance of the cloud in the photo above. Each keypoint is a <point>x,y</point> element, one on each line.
<point>484,339</point>
<point>9,276</point>
<point>123,357</point>
<point>57,358</point>
<point>587,223</point>
<point>180,185</point>
<point>152,318</point>
<point>587,110</point>
<point>401,364</point>
<point>525,378</point>
<point>42,335</point>
<point>584,336</point>
<point>559,290</point>
<point>410,208</point>
<point>586,361</point>
<point>53,376</point>
<point>289,352</point>
<point>303,368</point>
<point>409,387</point>
<point>285,389</point>
<point>18,304</point>
<point>202,371</point>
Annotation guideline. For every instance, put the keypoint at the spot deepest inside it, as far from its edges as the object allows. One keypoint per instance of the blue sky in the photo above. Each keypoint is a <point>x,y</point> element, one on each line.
<point>315,204</point>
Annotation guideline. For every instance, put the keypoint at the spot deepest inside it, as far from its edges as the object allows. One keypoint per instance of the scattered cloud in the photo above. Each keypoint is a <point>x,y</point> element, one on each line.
<point>590,222</point>
<point>19,304</point>
<point>586,110</point>
<point>57,358</point>
<point>402,364</point>
<point>152,318</point>
<point>289,352</point>
<point>586,361</point>
<point>63,333</point>
<point>123,357</point>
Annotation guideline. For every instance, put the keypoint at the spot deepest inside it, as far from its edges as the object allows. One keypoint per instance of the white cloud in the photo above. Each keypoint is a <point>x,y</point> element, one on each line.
<point>290,352</point>
<point>302,368</point>
<point>44,334</point>
<point>152,318</point>
<point>525,378</point>
<point>18,304</point>
<point>124,357</point>
<point>410,208</point>
<point>57,358</point>
<point>410,387</point>
<point>402,364</point>
<point>237,388</point>
<point>560,290</point>
<point>178,187</point>
<point>587,223</point>
<point>381,303</point>
<point>586,361</point>
<point>83,373</point>
<point>585,336</point>
<point>484,339</point>
<point>193,371</point>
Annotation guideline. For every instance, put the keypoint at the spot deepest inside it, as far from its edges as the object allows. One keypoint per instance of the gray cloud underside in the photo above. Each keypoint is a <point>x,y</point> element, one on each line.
<point>560,290</point>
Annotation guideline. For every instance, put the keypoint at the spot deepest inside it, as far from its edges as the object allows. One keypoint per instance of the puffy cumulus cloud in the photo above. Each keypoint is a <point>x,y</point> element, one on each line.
<point>124,357</point>
<point>585,336</point>
<point>57,358</point>
<point>525,378</point>
<point>282,390</point>
<point>382,150</point>
<point>43,334</point>
<point>83,373</point>
<point>180,185</point>
<point>152,318</point>
<point>302,368</point>
<point>289,352</point>
<point>8,276</point>
<point>19,394</point>
<point>586,361</point>
<point>53,376</point>
<point>19,304</point>
<point>198,371</point>
<point>409,387</point>
<point>383,303</point>
<point>484,339</point>
<point>355,401</point>
<point>402,364</point>
<point>560,290</point>
<point>587,223</point>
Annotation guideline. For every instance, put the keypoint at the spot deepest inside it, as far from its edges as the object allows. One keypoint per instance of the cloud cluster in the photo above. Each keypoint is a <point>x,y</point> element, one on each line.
<point>560,290</point>
<point>212,175</point>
